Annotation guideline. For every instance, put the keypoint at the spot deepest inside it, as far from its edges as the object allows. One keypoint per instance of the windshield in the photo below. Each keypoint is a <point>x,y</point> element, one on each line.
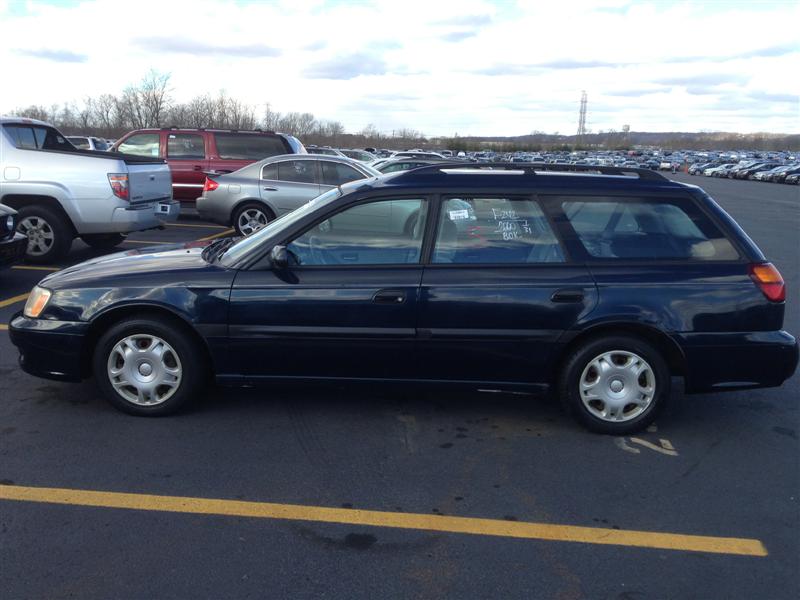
<point>249,243</point>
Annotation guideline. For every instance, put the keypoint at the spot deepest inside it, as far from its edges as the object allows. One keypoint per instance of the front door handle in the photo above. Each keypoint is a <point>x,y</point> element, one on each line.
<point>567,295</point>
<point>389,297</point>
<point>270,189</point>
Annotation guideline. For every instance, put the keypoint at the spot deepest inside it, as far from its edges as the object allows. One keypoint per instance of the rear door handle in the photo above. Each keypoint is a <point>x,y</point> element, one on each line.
<point>389,297</point>
<point>198,168</point>
<point>270,189</point>
<point>567,295</point>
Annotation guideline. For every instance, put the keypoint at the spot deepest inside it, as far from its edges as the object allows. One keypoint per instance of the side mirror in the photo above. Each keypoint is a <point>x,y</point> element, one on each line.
<point>279,257</point>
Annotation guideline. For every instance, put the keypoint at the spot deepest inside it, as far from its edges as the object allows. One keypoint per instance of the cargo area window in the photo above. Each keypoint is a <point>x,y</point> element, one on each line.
<point>631,229</point>
<point>249,146</point>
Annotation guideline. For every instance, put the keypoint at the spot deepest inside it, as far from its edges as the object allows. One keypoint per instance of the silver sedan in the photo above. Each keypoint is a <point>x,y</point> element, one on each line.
<point>249,198</point>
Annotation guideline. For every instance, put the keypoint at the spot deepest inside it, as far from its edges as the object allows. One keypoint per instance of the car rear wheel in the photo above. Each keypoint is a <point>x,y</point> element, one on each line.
<point>148,366</point>
<point>251,217</point>
<point>615,385</point>
<point>49,234</point>
<point>103,241</point>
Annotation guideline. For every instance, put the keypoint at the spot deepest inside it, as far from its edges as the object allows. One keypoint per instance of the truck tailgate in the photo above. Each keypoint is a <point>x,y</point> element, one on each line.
<point>149,182</point>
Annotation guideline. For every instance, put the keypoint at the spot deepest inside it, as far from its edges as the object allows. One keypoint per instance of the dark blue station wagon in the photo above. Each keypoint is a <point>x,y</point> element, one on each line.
<point>598,283</point>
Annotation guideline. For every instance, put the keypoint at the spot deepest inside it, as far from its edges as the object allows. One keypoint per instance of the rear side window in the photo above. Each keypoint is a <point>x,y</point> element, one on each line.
<point>610,228</point>
<point>37,137</point>
<point>185,145</point>
<point>494,231</point>
<point>337,173</point>
<point>141,144</point>
<point>248,146</point>
<point>298,171</point>
<point>80,142</point>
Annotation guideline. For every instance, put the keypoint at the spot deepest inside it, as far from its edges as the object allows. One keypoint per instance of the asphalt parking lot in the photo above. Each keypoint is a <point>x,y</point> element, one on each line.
<point>373,492</point>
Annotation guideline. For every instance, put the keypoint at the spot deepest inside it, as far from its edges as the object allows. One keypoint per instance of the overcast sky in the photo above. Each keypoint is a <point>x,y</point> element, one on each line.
<point>470,67</point>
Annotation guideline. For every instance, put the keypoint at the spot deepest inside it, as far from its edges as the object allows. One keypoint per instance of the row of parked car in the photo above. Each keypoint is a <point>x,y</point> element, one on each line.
<point>754,170</point>
<point>70,187</point>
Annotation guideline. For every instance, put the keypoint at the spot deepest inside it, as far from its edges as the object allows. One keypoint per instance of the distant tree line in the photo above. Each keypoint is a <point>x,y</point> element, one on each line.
<point>150,103</point>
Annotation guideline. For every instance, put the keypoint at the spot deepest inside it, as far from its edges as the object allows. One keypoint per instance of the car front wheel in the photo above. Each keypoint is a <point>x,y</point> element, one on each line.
<point>148,366</point>
<point>615,385</point>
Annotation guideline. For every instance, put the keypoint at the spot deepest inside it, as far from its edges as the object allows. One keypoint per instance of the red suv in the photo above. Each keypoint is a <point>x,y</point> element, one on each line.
<point>192,152</point>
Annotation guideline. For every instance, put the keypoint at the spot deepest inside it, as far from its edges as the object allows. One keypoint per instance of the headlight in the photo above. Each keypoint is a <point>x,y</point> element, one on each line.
<point>10,223</point>
<point>37,300</point>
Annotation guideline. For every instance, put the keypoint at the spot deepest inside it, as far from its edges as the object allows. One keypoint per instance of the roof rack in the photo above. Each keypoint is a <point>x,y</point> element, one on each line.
<point>532,168</point>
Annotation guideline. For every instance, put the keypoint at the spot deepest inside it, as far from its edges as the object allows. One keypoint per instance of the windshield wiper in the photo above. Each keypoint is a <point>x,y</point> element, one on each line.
<point>218,248</point>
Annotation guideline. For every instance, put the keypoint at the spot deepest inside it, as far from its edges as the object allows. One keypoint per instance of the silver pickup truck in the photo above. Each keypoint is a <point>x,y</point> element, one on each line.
<point>62,192</point>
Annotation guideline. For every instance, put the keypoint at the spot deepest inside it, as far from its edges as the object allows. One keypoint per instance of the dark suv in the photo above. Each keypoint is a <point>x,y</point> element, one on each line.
<point>191,153</point>
<point>601,285</point>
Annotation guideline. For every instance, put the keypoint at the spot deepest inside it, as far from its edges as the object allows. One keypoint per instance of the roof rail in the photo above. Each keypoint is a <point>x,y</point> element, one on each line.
<point>532,168</point>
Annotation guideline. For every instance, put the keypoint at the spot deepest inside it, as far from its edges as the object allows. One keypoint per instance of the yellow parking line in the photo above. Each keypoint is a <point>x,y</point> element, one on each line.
<point>150,242</point>
<point>216,235</point>
<point>3,327</point>
<point>35,268</point>
<point>13,300</point>
<point>372,518</point>
<point>196,225</point>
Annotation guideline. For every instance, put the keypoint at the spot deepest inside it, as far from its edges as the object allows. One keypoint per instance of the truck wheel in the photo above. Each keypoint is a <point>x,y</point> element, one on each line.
<point>148,366</point>
<point>615,385</point>
<point>250,217</point>
<point>103,241</point>
<point>49,234</point>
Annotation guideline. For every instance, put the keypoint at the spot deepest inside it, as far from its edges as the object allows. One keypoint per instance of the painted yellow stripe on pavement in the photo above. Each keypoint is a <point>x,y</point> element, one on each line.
<point>35,268</point>
<point>197,225</point>
<point>13,300</point>
<point>3,327</point>
<point>217,235</point>
<point>372,518</point>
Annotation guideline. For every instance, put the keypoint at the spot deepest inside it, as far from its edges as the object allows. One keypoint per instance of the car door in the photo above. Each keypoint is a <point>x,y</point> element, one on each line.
<point>288,184</point>
<point>186,155</point>
<point>497,293</point>
<point>344,307</point>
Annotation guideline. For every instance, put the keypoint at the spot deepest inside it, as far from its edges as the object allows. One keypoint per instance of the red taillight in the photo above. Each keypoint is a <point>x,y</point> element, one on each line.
<point>119,185</point>
<point>210,185</point>
<point>769,281</point>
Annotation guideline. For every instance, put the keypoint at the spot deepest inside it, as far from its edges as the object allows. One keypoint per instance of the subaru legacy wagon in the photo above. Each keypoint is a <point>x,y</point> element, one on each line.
<point>598,283</point>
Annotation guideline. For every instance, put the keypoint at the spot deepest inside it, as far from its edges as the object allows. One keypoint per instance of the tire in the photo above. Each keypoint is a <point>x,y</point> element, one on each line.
<point>49,233</point>
<point>258,213</point>
<point>619,354</point>
<point>103,241</point>
<point>168,354</point>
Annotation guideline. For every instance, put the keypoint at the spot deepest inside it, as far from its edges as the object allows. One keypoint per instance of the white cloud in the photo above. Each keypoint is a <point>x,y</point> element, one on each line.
<point>467,66</point>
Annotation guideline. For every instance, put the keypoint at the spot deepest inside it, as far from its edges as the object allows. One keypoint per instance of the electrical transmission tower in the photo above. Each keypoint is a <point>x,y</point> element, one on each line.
<point>582,118</point>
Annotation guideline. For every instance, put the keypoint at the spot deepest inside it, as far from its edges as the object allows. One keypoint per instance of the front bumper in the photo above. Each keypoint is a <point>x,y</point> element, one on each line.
<point>731,361</point>
<point>13,250</point>
<point>50,349</point>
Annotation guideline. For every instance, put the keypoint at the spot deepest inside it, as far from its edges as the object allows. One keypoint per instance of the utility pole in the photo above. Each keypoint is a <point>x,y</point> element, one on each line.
<point>582,118</point>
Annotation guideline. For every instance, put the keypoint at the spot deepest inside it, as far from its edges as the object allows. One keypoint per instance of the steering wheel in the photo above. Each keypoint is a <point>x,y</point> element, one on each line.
<point>319,254</point>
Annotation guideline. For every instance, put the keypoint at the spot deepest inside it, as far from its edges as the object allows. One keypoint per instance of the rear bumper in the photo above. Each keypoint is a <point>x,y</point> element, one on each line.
<point>49,349</point>
<point>138,217</point>
<point>213,210</point>
<point>731,361</point>
<point>13,250</point>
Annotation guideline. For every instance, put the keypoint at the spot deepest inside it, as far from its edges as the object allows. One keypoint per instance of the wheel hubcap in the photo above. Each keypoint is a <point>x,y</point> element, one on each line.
<point>251,220</point>
<point>144,369</point>
<point>40,234</point>
<point>617,386</point>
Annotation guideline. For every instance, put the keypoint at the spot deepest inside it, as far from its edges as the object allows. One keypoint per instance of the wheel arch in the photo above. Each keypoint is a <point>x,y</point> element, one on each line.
<point>19,201</point>
<point>668,347</point>
<point>103,321</point>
